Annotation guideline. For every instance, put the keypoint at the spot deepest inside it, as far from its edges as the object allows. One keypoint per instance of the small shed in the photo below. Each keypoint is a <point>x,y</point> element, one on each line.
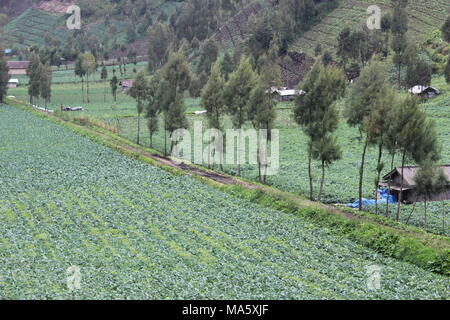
<point>18,67</point>
<point>424,92</point>
<point>12,83</point>
<point>126,85</point>
<point>393,181</point>
<point>286,94</point>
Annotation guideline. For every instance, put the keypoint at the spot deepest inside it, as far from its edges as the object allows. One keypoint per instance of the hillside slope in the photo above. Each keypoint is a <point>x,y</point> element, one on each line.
<point>424,16</point>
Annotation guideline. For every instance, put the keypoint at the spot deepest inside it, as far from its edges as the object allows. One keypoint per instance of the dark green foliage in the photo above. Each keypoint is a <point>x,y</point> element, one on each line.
<point>418,72</point>
<point>208,56</point>
<point>446,30</point>
<point>316,113</point>
<point>4,76</point>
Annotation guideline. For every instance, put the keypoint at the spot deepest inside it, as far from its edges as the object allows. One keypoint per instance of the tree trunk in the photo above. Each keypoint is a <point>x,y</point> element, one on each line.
<point>259,165</point>
<point>412,211</point>
<point>425,204</point>
<point>322,179</point>
<point>87,89</point>
<point>400,195</point>
<point>209,149</point>
<point>361,174</point>
<point>377,182</point>
<point>139,127</point>
<point>389,185</point>
<point>239,154</point>
<point>310,172</point>
<point>82,88</point>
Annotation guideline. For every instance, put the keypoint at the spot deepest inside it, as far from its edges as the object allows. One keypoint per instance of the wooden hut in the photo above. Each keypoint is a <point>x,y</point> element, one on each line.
<point>393,180</point>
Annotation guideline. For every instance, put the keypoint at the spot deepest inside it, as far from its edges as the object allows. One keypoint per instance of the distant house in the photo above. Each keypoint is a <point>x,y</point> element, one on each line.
<point>393,181</point>
<point>285,94</point>
<point>18,67</point>
<point>424,92</point>
<point>8,51</point>
<point>126,85</point>
<point>12,83</point>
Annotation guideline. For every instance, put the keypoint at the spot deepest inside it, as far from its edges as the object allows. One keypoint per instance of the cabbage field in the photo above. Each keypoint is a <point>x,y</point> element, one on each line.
<point>136,232</point>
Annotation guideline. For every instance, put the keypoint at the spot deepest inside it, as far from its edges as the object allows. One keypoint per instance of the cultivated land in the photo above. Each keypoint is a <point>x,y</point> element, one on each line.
<point>341,184</point>
<point>138,232</point>
<point>424,16</point>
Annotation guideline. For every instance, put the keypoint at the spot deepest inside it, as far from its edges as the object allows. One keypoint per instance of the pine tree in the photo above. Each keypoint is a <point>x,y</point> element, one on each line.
<point>213,102</point>
<point>316,113</point>
<point>139,92</point>
<point>114,85</point>
<point>80,72</point>
<point>104,77</point>
<point>446,30</point>
<point>34,74</point>
<point>399,27</point>
<point>261,113</point>
<point>176,79</point>
<point>416,137</point>
<point>237,93</point>
<point>447,70</point>
<point>366,95</point>
<point>429,181</point>
<point>89,65</point>
<point>4,75</point>
<point>45,83</point>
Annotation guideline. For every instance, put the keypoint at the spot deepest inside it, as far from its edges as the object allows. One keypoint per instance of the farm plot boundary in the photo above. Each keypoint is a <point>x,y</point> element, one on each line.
<point>392,239</point>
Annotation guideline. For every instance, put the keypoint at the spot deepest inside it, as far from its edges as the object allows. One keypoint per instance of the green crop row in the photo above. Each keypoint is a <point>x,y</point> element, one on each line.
<point>136,231</point>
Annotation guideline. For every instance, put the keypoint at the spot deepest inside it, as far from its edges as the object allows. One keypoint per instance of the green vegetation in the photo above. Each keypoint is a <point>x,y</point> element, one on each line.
<point>424,18</point>
<point>131,227</point>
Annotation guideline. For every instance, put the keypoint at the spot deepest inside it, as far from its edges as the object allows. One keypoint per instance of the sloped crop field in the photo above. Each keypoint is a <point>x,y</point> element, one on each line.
<point>424,16</point>
<point>138,232</point>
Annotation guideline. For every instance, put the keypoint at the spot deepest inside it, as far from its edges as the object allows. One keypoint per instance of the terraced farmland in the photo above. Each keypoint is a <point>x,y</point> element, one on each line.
<point>424,16</point>
<point>138,232</point>
<point>30,27</point>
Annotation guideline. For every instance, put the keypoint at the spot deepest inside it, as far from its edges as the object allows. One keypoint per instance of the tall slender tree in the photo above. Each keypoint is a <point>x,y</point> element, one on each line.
<point>261,113</point>
<point>237,94</point>
<point>45,83</point>
<point>399,27</point>
<point>213,102</point>
<point>104,77</point>
<point>363,100</point>
<point>89,65</point>
<point>4,75</point>
<point>139,92</point>
<point>429,181</point>
<point>316,113</point>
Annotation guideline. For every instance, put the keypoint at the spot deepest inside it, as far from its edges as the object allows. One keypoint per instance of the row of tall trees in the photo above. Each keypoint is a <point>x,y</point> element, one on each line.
<point>390,122</point>
<point>40,79</point>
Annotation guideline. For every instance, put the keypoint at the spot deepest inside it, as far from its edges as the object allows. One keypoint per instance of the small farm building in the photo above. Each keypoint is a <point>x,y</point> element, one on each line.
<point>18,67</point>
<point>12,83</point>
<point>285,94</point>
<point>126,85</point>
<point>424,92</point>
<point>393,180</point>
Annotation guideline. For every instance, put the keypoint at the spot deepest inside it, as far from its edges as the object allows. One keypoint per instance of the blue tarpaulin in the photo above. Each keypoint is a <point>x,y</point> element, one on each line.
<point>382,198</point>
